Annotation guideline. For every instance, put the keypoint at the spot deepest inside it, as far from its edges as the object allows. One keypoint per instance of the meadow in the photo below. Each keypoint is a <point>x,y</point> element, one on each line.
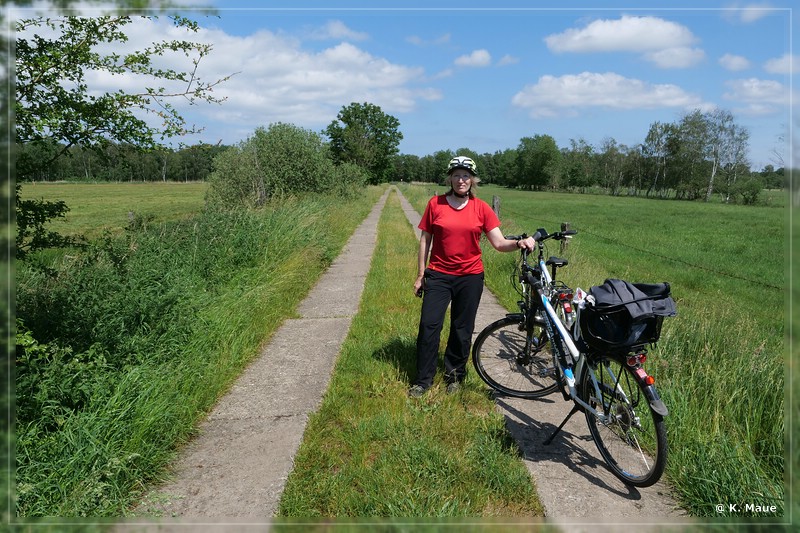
<point>97,207</point>
<point>719,366</point>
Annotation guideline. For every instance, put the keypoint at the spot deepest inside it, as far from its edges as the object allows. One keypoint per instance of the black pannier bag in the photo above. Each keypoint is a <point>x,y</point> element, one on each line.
<point>624,314</point>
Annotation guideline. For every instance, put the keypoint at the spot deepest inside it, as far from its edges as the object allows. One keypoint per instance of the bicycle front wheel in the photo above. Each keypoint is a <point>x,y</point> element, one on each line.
<point>513,360</point>
<point>630,436</point>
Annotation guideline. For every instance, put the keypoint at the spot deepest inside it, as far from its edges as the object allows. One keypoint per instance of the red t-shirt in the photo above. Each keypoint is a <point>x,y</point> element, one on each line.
<point>456,234</point>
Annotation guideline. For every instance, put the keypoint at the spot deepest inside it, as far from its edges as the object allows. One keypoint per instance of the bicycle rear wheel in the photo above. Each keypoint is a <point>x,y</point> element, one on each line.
<point>633,441</point>
<point>509,364</point>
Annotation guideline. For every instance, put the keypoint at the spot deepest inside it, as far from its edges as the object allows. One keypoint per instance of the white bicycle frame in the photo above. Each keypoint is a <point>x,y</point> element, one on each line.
<point>579,360</point>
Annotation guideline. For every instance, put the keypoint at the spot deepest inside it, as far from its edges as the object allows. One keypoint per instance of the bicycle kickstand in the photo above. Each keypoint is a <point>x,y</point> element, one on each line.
<point>575,409</point>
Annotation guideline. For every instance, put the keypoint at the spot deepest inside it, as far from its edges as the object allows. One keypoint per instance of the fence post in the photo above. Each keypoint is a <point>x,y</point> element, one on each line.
<point>496,205</point>
<point>564,227</point>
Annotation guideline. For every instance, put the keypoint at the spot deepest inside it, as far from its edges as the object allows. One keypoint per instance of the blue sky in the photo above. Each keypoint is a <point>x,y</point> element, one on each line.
<point>482,75</point>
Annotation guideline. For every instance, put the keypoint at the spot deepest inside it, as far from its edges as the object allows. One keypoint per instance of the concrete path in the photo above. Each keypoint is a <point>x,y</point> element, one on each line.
<point>574,485</point>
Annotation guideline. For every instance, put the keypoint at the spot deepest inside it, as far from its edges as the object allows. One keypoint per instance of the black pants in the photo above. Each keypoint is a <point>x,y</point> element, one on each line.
<point>463,294</point>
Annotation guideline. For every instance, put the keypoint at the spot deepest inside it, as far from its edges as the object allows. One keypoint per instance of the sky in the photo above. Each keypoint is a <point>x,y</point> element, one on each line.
<point>482,75</point>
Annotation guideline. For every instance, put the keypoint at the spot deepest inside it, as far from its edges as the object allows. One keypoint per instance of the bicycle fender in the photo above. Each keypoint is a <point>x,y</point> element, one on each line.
<point>650,391</point>
<point>655,401</point>
<point>516,316</point>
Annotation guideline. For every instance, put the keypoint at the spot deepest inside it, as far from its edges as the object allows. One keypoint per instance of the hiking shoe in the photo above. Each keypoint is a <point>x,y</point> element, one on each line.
<point>416,391</point>
<point>453,387</point>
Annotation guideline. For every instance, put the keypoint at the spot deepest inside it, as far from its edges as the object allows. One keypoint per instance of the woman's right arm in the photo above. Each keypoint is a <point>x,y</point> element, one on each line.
<point>422,259</point>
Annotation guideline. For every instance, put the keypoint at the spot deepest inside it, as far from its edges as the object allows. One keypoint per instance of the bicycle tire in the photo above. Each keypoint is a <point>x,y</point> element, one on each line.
<point>634,444</point>
<point>499,358</point>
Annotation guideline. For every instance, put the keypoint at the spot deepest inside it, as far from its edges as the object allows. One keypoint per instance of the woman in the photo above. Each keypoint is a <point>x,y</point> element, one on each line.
<point>453,222</point>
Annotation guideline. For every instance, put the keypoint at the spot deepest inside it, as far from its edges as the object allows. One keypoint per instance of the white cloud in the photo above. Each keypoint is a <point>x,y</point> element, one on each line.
<point>734,63</point>
<point>757,97</point>
<point>664,43</point>
<point>337,30</point>
<point>555,96</point>
<point>750,12</point>
<point>786,64</point>
<point>508,60</point>
<point>446,73</point>
<point>278,79</point>
<point>681,57</point>
<point>478,58</point>
<point>628,34</point>
<point>416,40</point>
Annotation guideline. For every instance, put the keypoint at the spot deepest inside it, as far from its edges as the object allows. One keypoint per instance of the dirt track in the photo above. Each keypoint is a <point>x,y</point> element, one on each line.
<point>231,476</point>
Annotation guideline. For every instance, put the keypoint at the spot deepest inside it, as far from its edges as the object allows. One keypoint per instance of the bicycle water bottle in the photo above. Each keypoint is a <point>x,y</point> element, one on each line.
<point>570,379</point>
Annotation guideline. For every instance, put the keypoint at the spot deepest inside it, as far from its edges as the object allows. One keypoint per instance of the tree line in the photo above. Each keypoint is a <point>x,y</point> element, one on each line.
<point>694,158</point>
<point>117,162</point>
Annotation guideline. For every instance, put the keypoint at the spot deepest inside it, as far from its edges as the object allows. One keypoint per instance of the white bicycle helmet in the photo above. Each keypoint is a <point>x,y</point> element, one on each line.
<point>464,162</point>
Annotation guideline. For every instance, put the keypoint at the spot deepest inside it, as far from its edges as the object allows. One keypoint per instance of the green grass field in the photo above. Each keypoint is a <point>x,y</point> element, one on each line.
<point>108,206</point>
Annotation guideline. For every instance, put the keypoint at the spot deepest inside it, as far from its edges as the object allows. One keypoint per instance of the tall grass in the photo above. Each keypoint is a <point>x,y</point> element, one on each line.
<point>720,363</point>
<point>150,329</point>
<point>370,451</point>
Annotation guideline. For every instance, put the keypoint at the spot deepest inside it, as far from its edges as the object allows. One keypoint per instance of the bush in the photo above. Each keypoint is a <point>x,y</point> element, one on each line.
<point>350,179</point>
<point>747,190</point>
<point>284,159</point>
<point>53,382</point>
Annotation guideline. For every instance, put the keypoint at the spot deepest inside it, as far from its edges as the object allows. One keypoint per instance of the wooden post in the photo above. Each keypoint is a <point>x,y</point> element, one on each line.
<point>496,205</point>
<point>564,227</point>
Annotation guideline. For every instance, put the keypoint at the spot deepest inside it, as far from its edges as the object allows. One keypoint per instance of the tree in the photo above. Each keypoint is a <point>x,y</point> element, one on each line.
<point>437,169</point>
<point>735,162</point>
<point>366,136</point>
<point>505,164</point>
<point>578,164</point>
<point>55,106</point>
<point>612,164</point>
<point>656,148</point>
<point>711,142</point>
<point>407,168</point>
<point>692,141</point>
<point>54,101</point>
<point>537,160</point>
<point>720,134</point>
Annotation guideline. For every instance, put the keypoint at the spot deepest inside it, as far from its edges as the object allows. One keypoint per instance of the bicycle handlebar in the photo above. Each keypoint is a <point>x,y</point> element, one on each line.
<point>541,235</point>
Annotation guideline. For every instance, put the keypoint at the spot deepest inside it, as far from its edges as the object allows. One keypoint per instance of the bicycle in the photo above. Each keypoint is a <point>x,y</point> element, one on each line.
<point>511,355</point>
<point>605,347</point>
